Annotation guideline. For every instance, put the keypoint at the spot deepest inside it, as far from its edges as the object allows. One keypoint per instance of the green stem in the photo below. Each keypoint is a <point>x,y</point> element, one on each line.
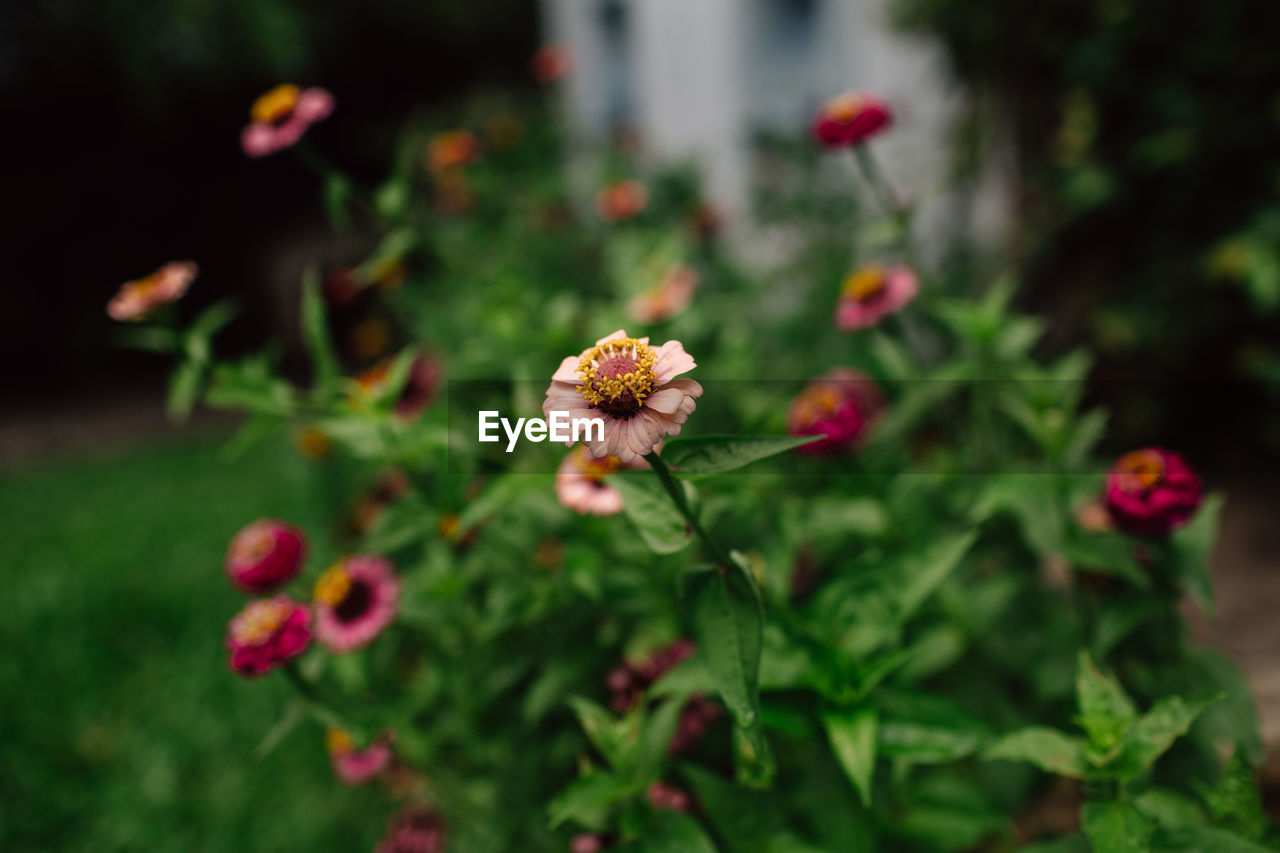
<point>876,180</point>
<point>317,706</point>
<point>674,489</point>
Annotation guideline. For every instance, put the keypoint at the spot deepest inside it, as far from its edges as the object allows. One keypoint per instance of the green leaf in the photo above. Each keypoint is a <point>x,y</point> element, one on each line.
<point>728,619</point>
<point>1235,802</point>
<point>667,831</point>
<point>337,195</point>
<point>1200,839</point>
<point>585,799</point>
<point>700,457</point>
<point>1156,731</point>
<point>184,388</point>
<point>1106,712</point>
<point>1190,547</point>
<point>1116,828</point>
<point>925,728</point>
<point>653,513</point>
<point>1169,809</point>
<point>1048,749</point>
<point>852,734</point>
<point>924,572</point>
<point>315,333</point>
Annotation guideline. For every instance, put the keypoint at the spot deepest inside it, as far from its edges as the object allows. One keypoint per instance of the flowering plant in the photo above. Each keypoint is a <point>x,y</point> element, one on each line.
<point>839,600</point>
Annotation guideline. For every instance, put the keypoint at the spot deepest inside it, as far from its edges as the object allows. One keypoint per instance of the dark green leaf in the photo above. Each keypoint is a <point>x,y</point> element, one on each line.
<point>1106,712</point>
<point>1156,731</point>
<point>653,513</point>
<point>1048,749</point>
<point>852,734</point>
<point>315,333</point>
<point>700,457</point>
<point>586,797</point>
<point>1116,828</point>
<point>1190,547</point>
<point>668,831</point>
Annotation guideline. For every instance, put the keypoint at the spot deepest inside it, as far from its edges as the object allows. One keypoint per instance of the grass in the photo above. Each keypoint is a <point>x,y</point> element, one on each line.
<point>120,726</point>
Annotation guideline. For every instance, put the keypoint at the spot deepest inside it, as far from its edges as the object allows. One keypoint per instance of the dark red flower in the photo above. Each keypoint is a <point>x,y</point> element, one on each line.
<point>851,119</point>
<point>1152,491</point>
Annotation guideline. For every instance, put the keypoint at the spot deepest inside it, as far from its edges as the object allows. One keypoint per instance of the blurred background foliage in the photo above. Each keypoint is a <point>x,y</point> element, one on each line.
<point>1146,133</point>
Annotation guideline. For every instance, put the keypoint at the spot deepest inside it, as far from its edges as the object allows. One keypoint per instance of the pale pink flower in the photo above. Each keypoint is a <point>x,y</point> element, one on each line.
<point>357,766</point>
<point>632,387</point>
<point>671,296</point>
<point>136,299</point>
<point>280,117</point>
<point>871,292</point>
<point>581,486</point>
<point>355,600</point>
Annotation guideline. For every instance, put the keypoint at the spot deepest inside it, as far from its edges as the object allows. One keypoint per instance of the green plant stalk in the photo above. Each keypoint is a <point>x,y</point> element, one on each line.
<point>321,709</point>
<point>875,178</point>
<point>673,488</point>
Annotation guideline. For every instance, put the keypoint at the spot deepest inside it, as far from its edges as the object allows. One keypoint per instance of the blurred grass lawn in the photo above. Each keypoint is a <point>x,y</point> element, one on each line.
<point>120,726</point>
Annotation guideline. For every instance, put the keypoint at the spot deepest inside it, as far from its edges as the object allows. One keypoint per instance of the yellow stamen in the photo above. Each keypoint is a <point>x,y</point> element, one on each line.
<point>333,586</point>
<point>276,104</point>
<point>338,741</point>
<point>593,468</point>
<point>844,107</point>
<point>449,524</point>
<point>601,384</point>
<point>1140,470</point>
<point>866,284</point>
<point>259,621</point>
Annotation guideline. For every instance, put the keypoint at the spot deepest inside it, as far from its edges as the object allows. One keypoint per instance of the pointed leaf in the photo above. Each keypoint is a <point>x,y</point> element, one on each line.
<point>700,457</point>
<point>1116,828</point>
<point>315,333</point>
<point>1048,749</point>
<point>852,734</point>
<point>653,513</point>
<point>1157,729</point>
<point>1106,712</point>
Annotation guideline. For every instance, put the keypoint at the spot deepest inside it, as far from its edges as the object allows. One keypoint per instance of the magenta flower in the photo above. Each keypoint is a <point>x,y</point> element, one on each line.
<point>587,842</point>
<point>669,297</point>
<point>357,766</point>
<point>663,796</point>
<point>414,829</point>
<point>871,292</point>
<point>632,387</point>
<point>137,299</point>
<point>1151,492</point>
<point>280,117</point>
<point>265,555</point>
<point>266,633</point>
<point>581,486</point>
<point>355,600</point>
<point>851,119</point>
<point>839,405</point>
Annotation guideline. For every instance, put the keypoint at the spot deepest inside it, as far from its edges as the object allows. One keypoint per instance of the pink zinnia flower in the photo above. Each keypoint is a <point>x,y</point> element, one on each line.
<point>671,296</point>
<point>664,796</point>
<point>136,299</point>
<point>355,600</point>
<point>581,486</point>
<point>550,63</point>
<point>414,829</point>
<point>871,292</point>
<point>266,633</point>
<point>622,200</point>
<point>280,117</point>
<point>632,386</point>
<point>851,119</point>
<point>357,766</point>
<point>1151,492</point>
<point>264,555</point>
<point>839,405</point>
<point>587,842</point>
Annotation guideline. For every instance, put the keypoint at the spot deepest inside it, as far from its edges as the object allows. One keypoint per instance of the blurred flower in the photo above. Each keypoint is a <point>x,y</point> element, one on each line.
<point>671,296</point>
<point>580,483</point>
<point>550,63</point>
<point>136,299</point>
<point>839,405</point>
<point>451,150</point>
<point>280,117</point>
<point>706,221</point>
<point>453,193</point>
<point>313,443</point>
<point>632,387</point>
<point>626,683</point>
<point>267,633</point>
<point>264,555</point>
<point>621,200</point>
<point>341,287</point>
<point>420,384</point>
<point>663,796</point>
<point>851,119</point>
<point>389,487</point>
<point>449,525</point>
<point>355,600</point>
<point>1151,491</point>
<point>696,717</point>
<point>871,292</point>
<point>414,829</point>
<point>587,842</point>
<point>357,766</point>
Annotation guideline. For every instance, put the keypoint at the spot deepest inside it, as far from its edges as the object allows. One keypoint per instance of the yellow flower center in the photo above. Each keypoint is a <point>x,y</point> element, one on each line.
<point>866,284</point>
<point>276,105</point>
<point>818,402</point>
<point>1140,470</point>
<point>259,621</point>
<point>333,586</point>
<point>449,524</point>
<point>844,107</point>
<point>338,741</point>
<point>593,468</point>
<point>617,376</point>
